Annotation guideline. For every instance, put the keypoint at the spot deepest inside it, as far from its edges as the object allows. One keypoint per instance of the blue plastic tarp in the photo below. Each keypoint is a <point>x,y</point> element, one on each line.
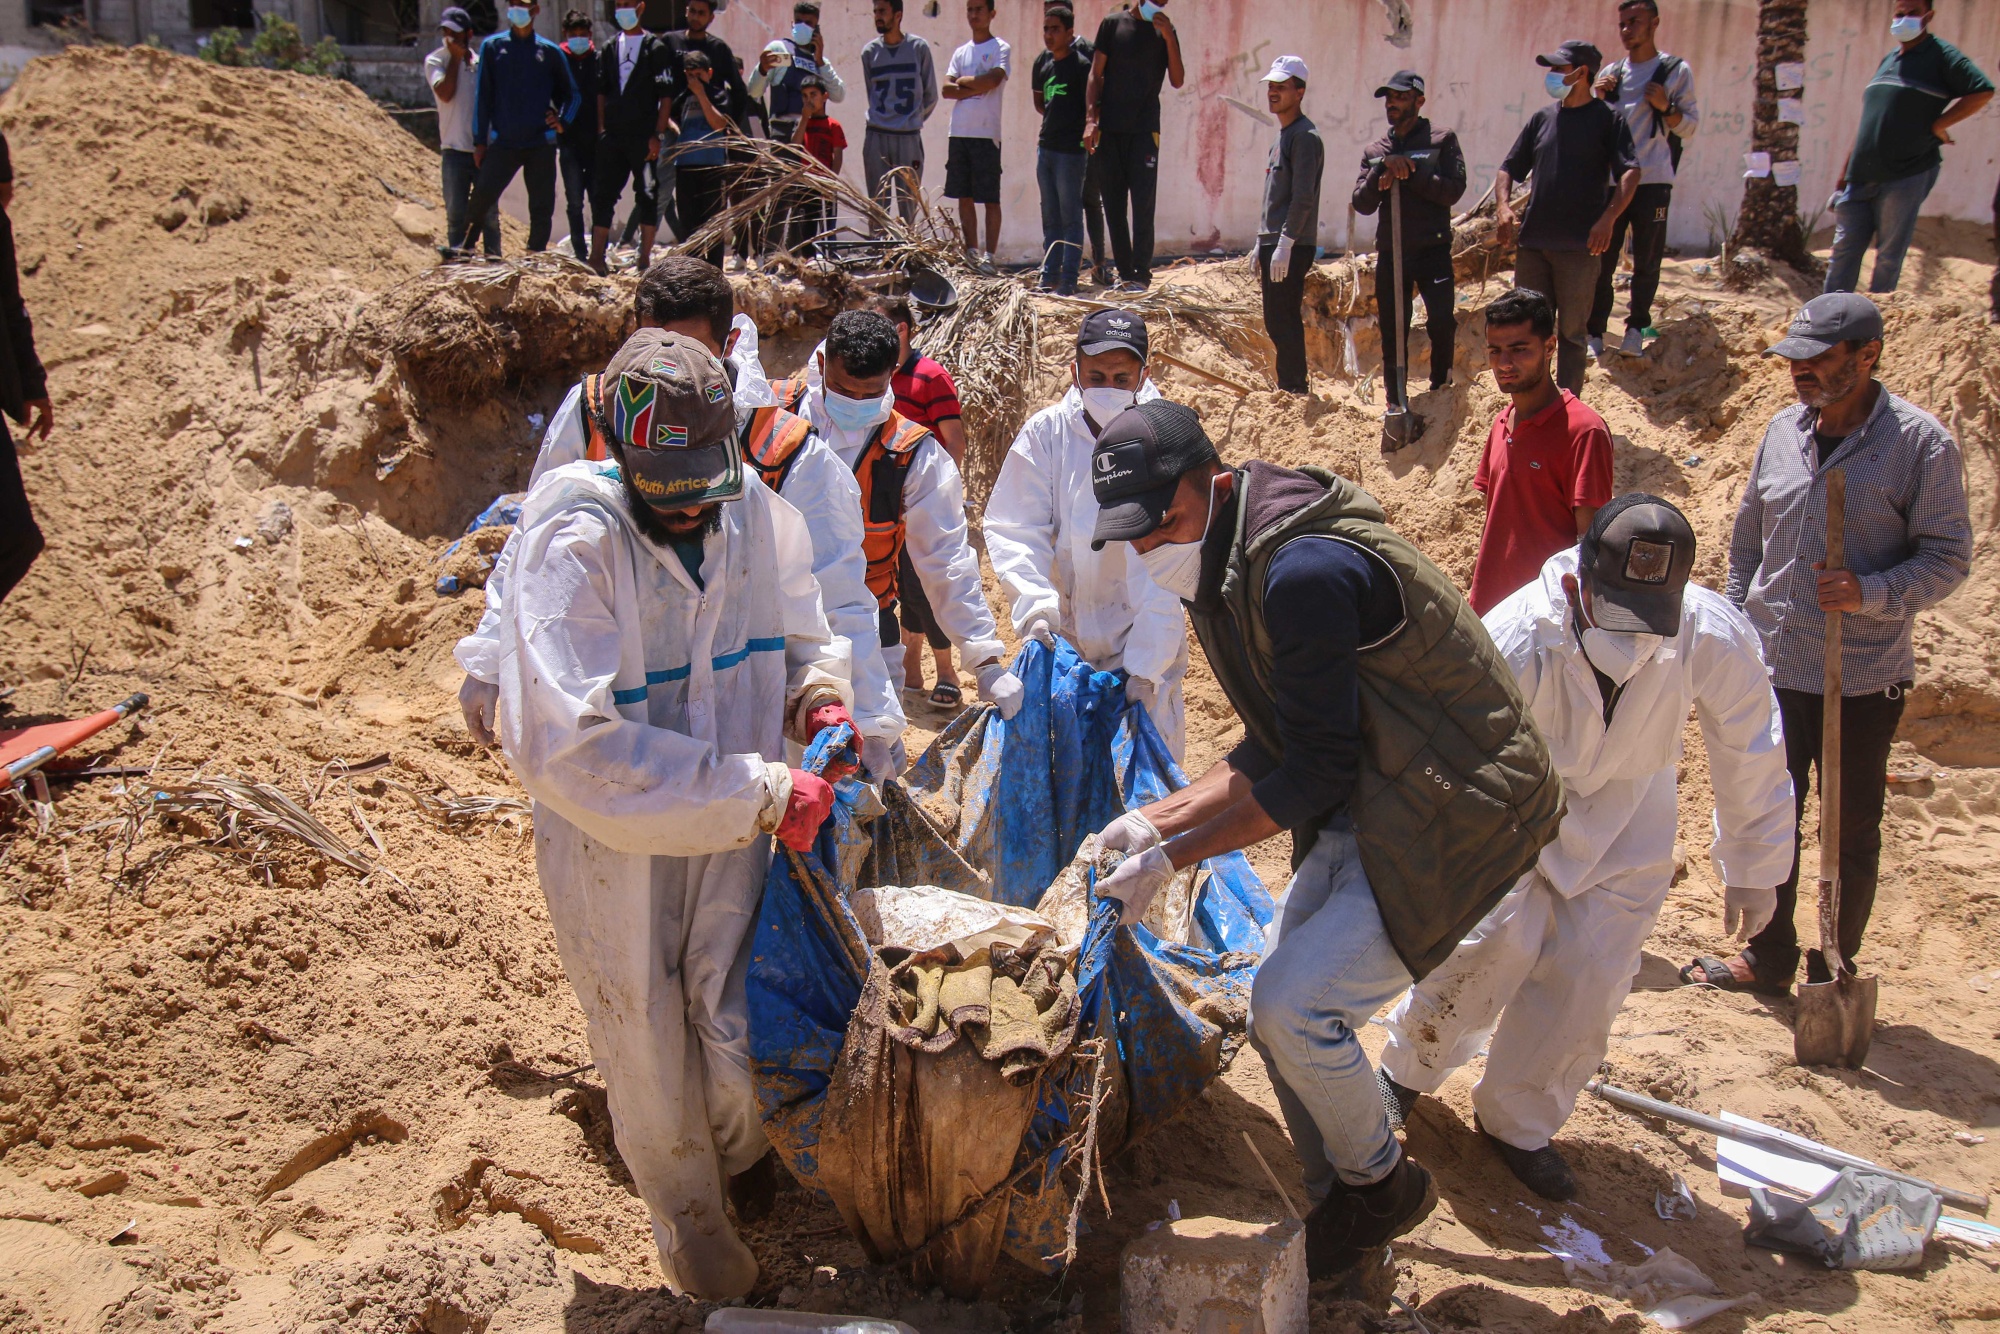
<point>1025,794</point>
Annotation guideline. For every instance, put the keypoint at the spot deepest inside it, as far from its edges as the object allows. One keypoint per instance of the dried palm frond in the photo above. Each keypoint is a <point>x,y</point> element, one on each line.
<point>448,808</point>
<point>245,813</point>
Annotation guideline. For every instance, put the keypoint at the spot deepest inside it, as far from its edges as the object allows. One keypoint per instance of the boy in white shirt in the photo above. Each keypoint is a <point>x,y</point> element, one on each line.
<point>972,82</point>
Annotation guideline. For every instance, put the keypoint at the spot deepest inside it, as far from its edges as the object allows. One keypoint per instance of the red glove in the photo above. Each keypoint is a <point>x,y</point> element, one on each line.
<point>833,715</point>
<point>828,715</point>
<point>812,802</point>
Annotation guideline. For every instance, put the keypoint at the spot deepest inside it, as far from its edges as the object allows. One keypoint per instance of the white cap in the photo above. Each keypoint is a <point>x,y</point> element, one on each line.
<point>1287,67</point>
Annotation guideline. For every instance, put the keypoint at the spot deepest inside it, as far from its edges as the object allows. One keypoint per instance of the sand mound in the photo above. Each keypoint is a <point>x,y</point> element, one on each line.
<point>332,1101</point>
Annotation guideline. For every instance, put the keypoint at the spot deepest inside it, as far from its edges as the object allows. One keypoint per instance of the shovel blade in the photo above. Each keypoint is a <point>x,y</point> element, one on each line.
<point>1835,1022</point>
<point>1400,426</point>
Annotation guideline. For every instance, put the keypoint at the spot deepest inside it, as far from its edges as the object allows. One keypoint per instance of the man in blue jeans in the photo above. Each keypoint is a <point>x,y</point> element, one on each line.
<point>1322,625</point>
<point>527,96</point>
<point>1920,90</point>
<point>452,72</point>
<point>1060,74</point>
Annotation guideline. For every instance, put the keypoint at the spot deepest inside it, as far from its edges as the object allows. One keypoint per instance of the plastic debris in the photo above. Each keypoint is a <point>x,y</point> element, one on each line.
<point>244,543</point>
<point>1677,1204</point>
<point>1967,1137</point>
<point>448,584</point>
<point>1667,1287</point>
<point>1862,1221</point>
<point>1691,461</point>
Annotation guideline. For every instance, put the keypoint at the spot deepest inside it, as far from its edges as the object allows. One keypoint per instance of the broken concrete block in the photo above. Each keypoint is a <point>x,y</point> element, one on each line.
<point>1215,1276</point>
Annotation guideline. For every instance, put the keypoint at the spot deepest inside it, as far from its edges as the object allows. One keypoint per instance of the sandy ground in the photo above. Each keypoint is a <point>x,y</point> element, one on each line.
<point>245,1089</point>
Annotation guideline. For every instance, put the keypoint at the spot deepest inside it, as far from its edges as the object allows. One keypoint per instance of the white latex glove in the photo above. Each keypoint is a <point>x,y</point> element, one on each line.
<point>1039,631</point>
<point>1138,690</point>
<point>1281,259</point>
<point>1131,833</point>
<point>1136,881</point>
<point>1001,688</point>
<point>883,759</point>
<point>481,702</point>
<point>1745,912</point>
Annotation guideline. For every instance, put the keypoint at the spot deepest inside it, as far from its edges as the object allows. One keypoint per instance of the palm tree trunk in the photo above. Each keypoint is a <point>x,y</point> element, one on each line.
<point>1770,218</point>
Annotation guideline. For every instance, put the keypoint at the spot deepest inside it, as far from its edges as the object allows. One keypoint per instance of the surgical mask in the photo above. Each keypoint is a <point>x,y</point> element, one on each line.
<point>1906,27</point>
<point>852,416</point>
<point>1176,566</point>
<point>802,34</point>
<point>1102,405</point>
<point>518,16</point>
<point>628,19</point>
<point>1557,84</point>
<point>1148,10</point>
<point>577,45</point>
<point>1619,654</point>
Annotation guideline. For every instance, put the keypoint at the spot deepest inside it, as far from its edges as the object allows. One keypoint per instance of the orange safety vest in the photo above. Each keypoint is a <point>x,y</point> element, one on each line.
<point>593,412</point>
<point>882,469</point>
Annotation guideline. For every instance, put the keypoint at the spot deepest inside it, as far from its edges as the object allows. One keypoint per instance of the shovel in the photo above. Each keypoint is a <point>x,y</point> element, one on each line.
<point>1835,1021</point>
<point>1399,425</point>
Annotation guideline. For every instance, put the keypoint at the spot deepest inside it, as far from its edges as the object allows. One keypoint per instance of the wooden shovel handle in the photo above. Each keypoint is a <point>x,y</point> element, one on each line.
<point>1829,739</point>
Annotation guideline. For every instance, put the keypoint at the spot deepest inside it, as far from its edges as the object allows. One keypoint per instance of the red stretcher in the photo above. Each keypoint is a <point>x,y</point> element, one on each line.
<point>24,750</point>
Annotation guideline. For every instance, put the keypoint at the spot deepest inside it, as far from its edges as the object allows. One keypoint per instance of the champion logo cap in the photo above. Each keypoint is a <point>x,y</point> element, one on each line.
<point>1138,464</point>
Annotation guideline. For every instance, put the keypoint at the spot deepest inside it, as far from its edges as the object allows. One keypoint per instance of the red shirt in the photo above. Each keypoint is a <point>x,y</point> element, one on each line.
<point>821,135</point>
<point>925,392</point>
<point>1535,475</point>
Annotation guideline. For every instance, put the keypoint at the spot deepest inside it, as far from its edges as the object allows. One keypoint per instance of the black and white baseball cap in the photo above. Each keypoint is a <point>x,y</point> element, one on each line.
<point>1572,53</point>
<point>1635,560</point>
<point>1113,331</point>
<point>1833,317</point>
<point>1138,464</point>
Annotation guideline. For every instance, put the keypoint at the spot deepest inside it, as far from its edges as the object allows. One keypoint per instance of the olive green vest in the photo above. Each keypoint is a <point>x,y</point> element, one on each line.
<point>1456,795</point>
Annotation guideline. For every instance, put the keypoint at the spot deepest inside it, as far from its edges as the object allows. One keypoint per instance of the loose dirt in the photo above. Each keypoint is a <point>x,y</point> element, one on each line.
<point>243,1088</point>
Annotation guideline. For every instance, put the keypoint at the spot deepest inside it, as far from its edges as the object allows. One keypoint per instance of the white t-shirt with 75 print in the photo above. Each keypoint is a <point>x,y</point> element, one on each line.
<point>979,117</point>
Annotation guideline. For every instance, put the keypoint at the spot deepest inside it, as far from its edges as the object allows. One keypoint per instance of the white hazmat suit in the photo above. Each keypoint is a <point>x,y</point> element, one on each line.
<point>818,485</point>
<point>935,534</point>
<point>645,714</point>
<point>1560,951</point>
<point>1039,521</point>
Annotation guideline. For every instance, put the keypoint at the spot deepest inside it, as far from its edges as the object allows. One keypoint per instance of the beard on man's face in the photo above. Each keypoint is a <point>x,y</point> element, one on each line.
<point>1821,387</point>
<point>664,529</point>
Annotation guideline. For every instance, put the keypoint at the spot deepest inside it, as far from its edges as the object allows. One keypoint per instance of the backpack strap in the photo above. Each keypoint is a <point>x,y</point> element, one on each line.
<point>898,438</point>
<point>790,393</point>
<point>771,441</point>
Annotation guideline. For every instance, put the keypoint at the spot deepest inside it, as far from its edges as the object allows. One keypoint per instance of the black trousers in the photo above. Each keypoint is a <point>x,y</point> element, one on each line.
<point>1093,211</point>
<point>621,159</point>
<point>1867,726</point>
<point>577,160</point>
<point>538,165</point>
<point>20,539</point>
<point>1646,220</point>
<point>1284,311</point>
<point>1426,273</point>
<point>1129,179</point>
<point>698,193</point>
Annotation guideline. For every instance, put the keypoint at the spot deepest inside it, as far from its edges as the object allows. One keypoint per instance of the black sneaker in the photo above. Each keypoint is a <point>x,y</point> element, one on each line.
<point>1541,1170</point>
<point>1351,1223</point>
<point>1396,1100</point>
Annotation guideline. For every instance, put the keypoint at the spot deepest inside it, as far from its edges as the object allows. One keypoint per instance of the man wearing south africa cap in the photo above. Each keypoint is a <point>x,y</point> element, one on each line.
<point>1381,727</point>
<point>662,639</point>
<point>1612,646</point>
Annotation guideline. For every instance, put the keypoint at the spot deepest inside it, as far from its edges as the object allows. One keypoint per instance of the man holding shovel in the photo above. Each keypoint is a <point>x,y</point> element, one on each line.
<point>1413,175</point>
<point>1908,544</point>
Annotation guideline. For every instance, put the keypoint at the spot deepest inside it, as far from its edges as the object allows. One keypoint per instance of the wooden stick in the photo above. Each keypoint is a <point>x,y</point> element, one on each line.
<point>1272,1177</point>
<point>1190,367</point>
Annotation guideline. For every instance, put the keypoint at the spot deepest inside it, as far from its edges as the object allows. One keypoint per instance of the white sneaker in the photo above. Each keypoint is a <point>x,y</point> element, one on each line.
<point>1634,344</point>
<point>1596,346</point>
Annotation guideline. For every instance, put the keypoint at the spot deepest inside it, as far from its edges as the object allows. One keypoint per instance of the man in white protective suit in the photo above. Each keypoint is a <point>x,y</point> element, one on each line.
<point>1611,645</point>
<point>1041,516</point>
<point>689,296</point>
<point>911,496</point>
<point>661,639</point>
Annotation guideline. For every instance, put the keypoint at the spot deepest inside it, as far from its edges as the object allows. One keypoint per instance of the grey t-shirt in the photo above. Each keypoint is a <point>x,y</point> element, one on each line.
<point>902,83</point>
<point>1291,185</point>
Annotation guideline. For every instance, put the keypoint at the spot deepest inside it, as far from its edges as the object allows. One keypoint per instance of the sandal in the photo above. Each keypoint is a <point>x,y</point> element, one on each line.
<point>946,695</point>
<point>1709,971</point>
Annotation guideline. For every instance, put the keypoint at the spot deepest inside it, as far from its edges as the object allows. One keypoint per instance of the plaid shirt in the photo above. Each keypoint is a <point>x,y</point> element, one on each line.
<point>1908,536</point>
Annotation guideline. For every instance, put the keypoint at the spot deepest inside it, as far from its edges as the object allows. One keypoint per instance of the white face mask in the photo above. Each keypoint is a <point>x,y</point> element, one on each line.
<point>1102,405</point>
<point>1176,566</point>
<point>1906,27</point>
<point>626,19</point>
<point>802,34</point>
<point>1619,654</point>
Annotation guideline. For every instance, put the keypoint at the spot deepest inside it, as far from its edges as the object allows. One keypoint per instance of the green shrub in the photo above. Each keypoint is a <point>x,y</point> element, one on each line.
<point>278,44</point>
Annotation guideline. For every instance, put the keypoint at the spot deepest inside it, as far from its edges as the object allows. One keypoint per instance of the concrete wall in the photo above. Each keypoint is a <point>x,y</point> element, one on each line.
<point>1478,56</point>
